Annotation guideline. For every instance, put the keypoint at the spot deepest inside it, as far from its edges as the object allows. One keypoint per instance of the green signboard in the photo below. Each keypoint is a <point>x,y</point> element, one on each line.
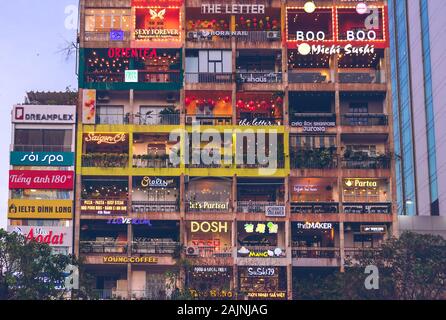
<point>42,159</point>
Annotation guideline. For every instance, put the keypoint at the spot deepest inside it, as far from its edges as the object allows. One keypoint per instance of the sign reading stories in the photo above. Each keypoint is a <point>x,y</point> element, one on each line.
<point>40,209</point>
<point>44,114</point>
<point>104,207</point>
<point>53,236</point>
<point>33,179</point>
<point>42,159</point>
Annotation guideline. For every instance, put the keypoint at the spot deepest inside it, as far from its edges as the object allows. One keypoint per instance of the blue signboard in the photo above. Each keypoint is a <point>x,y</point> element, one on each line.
<point>117,35</point>
<point>42,159</point>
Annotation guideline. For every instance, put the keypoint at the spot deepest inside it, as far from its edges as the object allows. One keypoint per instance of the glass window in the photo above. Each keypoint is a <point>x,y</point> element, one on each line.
<point>111,114</point>
<point>42,140</point>
<point>107,19</point>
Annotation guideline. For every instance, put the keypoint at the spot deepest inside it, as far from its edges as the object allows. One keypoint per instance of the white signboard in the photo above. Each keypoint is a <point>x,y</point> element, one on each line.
<point>53,236</point>
<point>44,114</point>
<point>275,211</point>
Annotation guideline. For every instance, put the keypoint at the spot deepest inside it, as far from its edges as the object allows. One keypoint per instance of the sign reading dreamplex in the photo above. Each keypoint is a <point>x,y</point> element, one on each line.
<point>53,236</point>
<point>44,114</point>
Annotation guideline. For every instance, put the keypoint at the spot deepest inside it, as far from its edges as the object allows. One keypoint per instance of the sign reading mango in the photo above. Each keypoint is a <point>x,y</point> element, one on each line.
<point>40,209</point>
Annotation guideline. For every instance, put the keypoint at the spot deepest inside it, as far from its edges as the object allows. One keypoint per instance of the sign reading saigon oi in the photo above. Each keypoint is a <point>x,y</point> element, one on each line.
<point>42,159</point>
<point>44,114</point>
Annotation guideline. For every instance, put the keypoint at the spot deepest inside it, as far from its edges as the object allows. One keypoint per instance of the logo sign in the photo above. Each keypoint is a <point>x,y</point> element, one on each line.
<point>362,183</point>
<point>261,272</point>
<point>266,295</point>
<point>262,228</point>
<point>153,182</point>
<point>210,269</point>
<point>44,114</point>
<point>32,179</point>
<point>131,75</point>
<point>40,209</point>
<point>256,122</point>
<point>117,35</point>
<point>305,188</point>
<point>315,226</point>
<point>53,236</point>
<point>133,221</point>
<point>88,106</point>
<point>205,226</point>
<point>119,259</point>
<point>107,138</point>
<point>154,23</point>
<point>373,229</point>
<point>42,159</point>
<point>208,205</point>
<point>275,211</point>
<point>212,8</point>
<point>314,126</point>
<point>131,53</point>
<point>104,207</point>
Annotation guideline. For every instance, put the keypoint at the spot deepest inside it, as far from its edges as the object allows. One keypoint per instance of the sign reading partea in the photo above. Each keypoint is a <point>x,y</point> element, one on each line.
<point>40,209</point>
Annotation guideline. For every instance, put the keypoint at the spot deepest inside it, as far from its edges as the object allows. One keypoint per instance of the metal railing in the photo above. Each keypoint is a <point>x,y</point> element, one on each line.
<point>364,119</point>
<point>42,148</point>
<point>261,251</point>
<point>209,120</point>
<point>201,77</point>
<point>208,252</point>
<point>143,77</point>
<point>367,208</point>
<point>311,252</point>
<point>155,247</point>
<point>105,160</point>
<point>259,77</point>
<point>154,206</point>
<point>278,163</point>
<point>206,35</point>
<point>113,294</point>
<point>314,207</point>
<point>103,35</point>
<point>146,161</point>
<point>260,36</point>
<point>367,163</point>
<point>360,76</point>
<point>108,4</point>
<point>150,118</point>
<point>308,77</point>
<point>256,206</point>
<point>102,247</point>
<point>317,158</point>
<point>357,253</point>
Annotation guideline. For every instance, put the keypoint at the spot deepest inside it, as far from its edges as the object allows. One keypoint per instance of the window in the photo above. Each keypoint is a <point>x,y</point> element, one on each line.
<point>110,115</point>
<point>215,61</point>
<point>42,140</point>
<point>358,107</point>
<point>370,150</point>
<point>103,20</point>
<point>31,194</point>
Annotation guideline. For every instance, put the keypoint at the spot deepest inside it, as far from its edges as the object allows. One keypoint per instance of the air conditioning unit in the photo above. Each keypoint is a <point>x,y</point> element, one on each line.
<point>272,35</point>
<point>103,97</point>
<point>192,251</point>
<point>191,35</point>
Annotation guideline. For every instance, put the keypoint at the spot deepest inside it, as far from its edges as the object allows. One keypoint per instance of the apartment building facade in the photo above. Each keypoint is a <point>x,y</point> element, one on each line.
<point>295,102</point>
<point>41,175</point>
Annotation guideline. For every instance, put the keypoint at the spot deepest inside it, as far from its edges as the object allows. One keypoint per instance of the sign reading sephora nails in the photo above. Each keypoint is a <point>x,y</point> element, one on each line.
<point>42,159</point>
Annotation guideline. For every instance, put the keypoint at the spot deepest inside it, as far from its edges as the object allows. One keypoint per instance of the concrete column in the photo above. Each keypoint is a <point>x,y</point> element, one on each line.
<point>129,281</point>
<point>341,246</point>
<point>289,280</point>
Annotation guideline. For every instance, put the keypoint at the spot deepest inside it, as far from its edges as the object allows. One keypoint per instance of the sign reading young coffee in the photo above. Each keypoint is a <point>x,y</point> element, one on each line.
<point>44,114</point>
<point>123,259</point>
<point>53,236</point>
<point>104,207</point>
<point>42,159</point>
<point>40,209</point>
<point>33,179</point>
<point>157,23</point>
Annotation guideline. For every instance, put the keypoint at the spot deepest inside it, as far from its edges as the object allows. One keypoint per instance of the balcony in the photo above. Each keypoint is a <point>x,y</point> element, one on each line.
<point>208,252</point>
<point>155,247</point>
<point>280,164</point>
<point>258,77</point>
<point>154,206</point>
<point>318,158</point>
<point>151,118</point>
<point>202,77</point>
<point>260,252</point>
<point>352,254</point>
<point>88,247</point>
<point>361,76</point>
<point>366,119</point>
<point>310,77</point>
<point>315,253</point>
<point>378,162</point>
<point>314,207</point>
<point>260,36</point>
<point>256,206</point>
<point>146,77</point>
<point>367,208</point>
<point>103,36</point>
<point>152,161</point>
<point>105,160</point>
<point>209,120</point>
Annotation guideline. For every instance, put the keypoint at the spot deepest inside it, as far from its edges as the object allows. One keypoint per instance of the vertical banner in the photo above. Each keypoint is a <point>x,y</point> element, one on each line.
<point>89,106</point>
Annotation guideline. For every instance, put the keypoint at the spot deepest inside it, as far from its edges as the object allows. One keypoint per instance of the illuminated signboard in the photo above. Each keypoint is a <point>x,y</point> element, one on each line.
<point>361,183</point>
<point>105,138</point>
<point>205,226</point>
<point>53,236</point>
<point>40,209</point>
<point>216,8</point>
<point>123,259</point>
<point>260,227</point>
<point>42,159</point>
<point>208,205</point>
<point>157,23</point>
<point>34,179</point>
<point>338,29</point>
<point>104,207</point>
<point>154,182</point>
<point>315,226</point>
<point>131,75</point>
<point>267,295</point>
<point>116,35</point>
<point>133,221</point>
<point>44,114</point>
<point>373,229</point>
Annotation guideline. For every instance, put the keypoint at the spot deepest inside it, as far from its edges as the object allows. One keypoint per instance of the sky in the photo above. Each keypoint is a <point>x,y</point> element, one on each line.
<point>32,34</point>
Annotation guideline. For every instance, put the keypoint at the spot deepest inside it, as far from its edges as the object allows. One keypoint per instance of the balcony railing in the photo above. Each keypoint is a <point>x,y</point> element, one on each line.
<point>360,76</point>
<point>139,119</point>
<point>103,36</point>
<point>364,119</point>
<point>154,206</point>
<point>279,164</point>
<point>208,252</point>
<point>314,207</point>
<point>149,161</point>
<point>143,77</point>
<point>308,77</point>
<point>103,247</point>
<point>209,77</point>
<point>46,148</point>
<point>260,36</point>
<point>105,160</point>
<point>358,253</point>
<point>209,120</point>
<point>256,206</point>
<point>318,158</point>
<point>261,252</point>
<point>155,247</point>
<point>206,35</point>
<point>367,208</point>
<point>108,4</point>
<point>382,162</point>
<point>310,252</point>
<point>259,77</point>
<point>112,294</point>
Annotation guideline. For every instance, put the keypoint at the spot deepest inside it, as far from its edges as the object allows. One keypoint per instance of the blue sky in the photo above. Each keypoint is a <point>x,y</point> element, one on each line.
<point>32,32</point>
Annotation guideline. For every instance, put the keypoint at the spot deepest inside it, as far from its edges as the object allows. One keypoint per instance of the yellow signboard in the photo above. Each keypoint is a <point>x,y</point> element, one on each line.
<point>40,209</point>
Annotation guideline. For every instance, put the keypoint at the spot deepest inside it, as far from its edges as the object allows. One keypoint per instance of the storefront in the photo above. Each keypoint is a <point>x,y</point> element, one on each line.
<point>155,237</point>
<point>210,282</point>
<point>208,195</point>
<point>364,195</point>
<point>104,196</point>
<point>105,150</point>
<point>309,239</point>
<point>153,151</point>
<point>365,235</point>
<point>314,195</point>
<point>208,108</point>
<point>261,239</point>
<point>209,239</point>
<point>257,283</point>
<point>103,236</point>
<point>259,108</point>
<point>155,194</point>
<point>256,195</point>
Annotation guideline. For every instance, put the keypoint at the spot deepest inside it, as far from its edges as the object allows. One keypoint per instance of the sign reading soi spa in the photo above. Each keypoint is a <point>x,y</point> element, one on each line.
<point>42,159</point>
<point>33,179</point>
<point>44,114</point>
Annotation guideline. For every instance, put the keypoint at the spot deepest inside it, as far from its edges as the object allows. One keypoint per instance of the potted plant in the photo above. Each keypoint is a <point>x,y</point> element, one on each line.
<point>167,115</point>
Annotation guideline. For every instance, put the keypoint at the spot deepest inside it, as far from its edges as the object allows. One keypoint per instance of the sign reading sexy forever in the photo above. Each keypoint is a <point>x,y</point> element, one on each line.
<point>33,179</point>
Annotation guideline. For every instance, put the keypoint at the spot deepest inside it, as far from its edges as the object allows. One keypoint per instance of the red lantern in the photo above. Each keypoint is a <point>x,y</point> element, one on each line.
<point>187,100</point>
<point>227,99</point>
<point>279,100</point>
